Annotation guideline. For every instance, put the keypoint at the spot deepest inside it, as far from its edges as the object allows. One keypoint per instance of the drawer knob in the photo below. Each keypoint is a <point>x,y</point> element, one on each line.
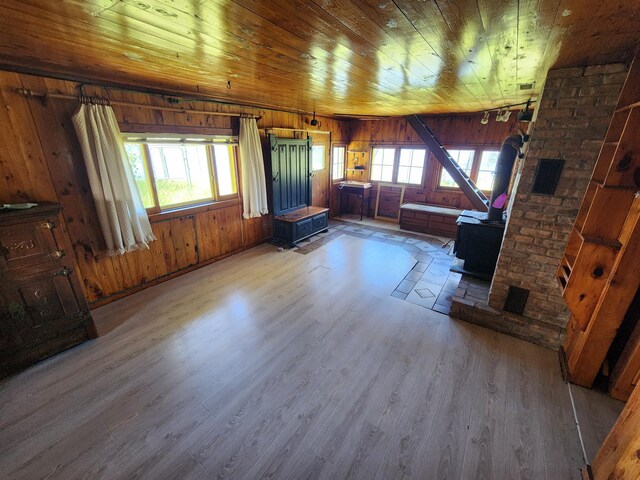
<point>46,225</point>
<point>58,254</point>
<point>17,311</point>
<point>65,272</point>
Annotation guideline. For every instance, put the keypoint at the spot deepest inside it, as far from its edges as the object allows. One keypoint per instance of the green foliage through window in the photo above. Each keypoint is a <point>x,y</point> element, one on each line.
<point>136,159</point>
<point>179,174</point>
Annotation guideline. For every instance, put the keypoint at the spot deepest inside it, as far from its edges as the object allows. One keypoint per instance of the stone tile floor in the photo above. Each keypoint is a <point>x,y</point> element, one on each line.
<point>429,284</point>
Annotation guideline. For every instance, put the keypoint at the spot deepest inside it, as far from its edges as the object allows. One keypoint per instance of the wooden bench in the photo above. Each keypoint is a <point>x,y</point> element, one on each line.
<point>301,223</point>
<point>432,219</point>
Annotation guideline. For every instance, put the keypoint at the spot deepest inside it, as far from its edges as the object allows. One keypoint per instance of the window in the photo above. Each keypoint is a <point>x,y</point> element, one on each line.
<point>317,157</point>
<point>382,164</point>
<point>464,158</point>
<point>487,169</point>
<point>478,164</point>
<point>337,159</point>
<point>140,173</point>
<point>398,165</point>
<point>411,165</point>
<point>173,173</point>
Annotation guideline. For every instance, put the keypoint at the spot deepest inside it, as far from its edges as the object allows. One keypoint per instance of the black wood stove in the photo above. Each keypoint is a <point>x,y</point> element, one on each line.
<point>478,244</point>
<point>479,234</point>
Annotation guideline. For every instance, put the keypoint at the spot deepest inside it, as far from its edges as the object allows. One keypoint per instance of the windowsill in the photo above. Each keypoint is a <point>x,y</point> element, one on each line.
<point>457,190</point>
<point>193,209</point>
<point>407,185</point>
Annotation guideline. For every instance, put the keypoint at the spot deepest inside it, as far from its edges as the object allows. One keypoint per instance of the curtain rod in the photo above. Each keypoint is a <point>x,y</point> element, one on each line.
<point>45,96</point>
<point>323,132</point>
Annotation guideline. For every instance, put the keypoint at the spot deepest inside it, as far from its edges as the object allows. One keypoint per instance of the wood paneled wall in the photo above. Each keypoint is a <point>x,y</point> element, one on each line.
<point>40,161</point>
<point>619,454</point>
<point>451,130</point>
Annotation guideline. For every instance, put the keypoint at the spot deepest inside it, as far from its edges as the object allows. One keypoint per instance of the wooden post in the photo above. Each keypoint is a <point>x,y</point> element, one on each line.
<point>619,455</point>
<point>471,191</point>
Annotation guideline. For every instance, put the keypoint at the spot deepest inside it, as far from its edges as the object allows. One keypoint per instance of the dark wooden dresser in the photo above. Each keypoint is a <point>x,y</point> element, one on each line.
<point>42,309</point>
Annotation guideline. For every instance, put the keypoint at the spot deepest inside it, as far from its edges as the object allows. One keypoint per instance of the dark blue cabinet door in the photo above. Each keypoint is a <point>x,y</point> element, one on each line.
<point>290,172</point>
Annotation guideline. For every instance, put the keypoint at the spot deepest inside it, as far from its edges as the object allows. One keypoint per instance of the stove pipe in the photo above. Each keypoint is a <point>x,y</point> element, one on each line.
<point>511,148</point>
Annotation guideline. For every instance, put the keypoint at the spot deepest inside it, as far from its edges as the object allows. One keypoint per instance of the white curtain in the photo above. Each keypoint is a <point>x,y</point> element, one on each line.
<point>122,215</point>
<point>254,188</point>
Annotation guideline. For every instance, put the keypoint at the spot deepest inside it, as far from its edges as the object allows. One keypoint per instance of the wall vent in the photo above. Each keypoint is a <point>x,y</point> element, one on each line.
<point>547,176</point>
<point>526,86</point>
<point>516,300</point>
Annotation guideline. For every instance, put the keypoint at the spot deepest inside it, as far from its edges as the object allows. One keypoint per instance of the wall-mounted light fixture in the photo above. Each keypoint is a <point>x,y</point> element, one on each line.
<point>526,115</point>
<point>503,113</point>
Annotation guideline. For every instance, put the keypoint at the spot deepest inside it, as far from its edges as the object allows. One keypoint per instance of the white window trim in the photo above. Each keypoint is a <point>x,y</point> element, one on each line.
<point>343,162</point>
<point>475,167</point>
<point>396,164</point>
<point>176,139</point>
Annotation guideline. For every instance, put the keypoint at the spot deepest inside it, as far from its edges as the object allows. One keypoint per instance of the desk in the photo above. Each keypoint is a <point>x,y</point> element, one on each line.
<point>362,190</point>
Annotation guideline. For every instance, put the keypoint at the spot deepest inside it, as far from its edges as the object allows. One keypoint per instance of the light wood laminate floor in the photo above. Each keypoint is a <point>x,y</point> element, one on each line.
<point>279,365</point>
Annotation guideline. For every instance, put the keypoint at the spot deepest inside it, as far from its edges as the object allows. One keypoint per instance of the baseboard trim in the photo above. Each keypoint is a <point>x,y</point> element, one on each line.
<point>586,472</point>
<point>564,364</point>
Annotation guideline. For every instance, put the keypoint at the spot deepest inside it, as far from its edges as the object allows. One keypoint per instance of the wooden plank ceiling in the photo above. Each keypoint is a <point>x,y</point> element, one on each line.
<point>362,57</point>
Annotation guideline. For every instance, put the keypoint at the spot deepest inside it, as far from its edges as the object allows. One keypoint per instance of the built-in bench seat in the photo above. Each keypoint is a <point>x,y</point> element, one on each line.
<point>301,223</point>
<point>432,219</point>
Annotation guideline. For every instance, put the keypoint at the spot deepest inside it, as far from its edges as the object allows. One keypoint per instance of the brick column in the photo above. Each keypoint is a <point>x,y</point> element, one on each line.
<point>572,119</point>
